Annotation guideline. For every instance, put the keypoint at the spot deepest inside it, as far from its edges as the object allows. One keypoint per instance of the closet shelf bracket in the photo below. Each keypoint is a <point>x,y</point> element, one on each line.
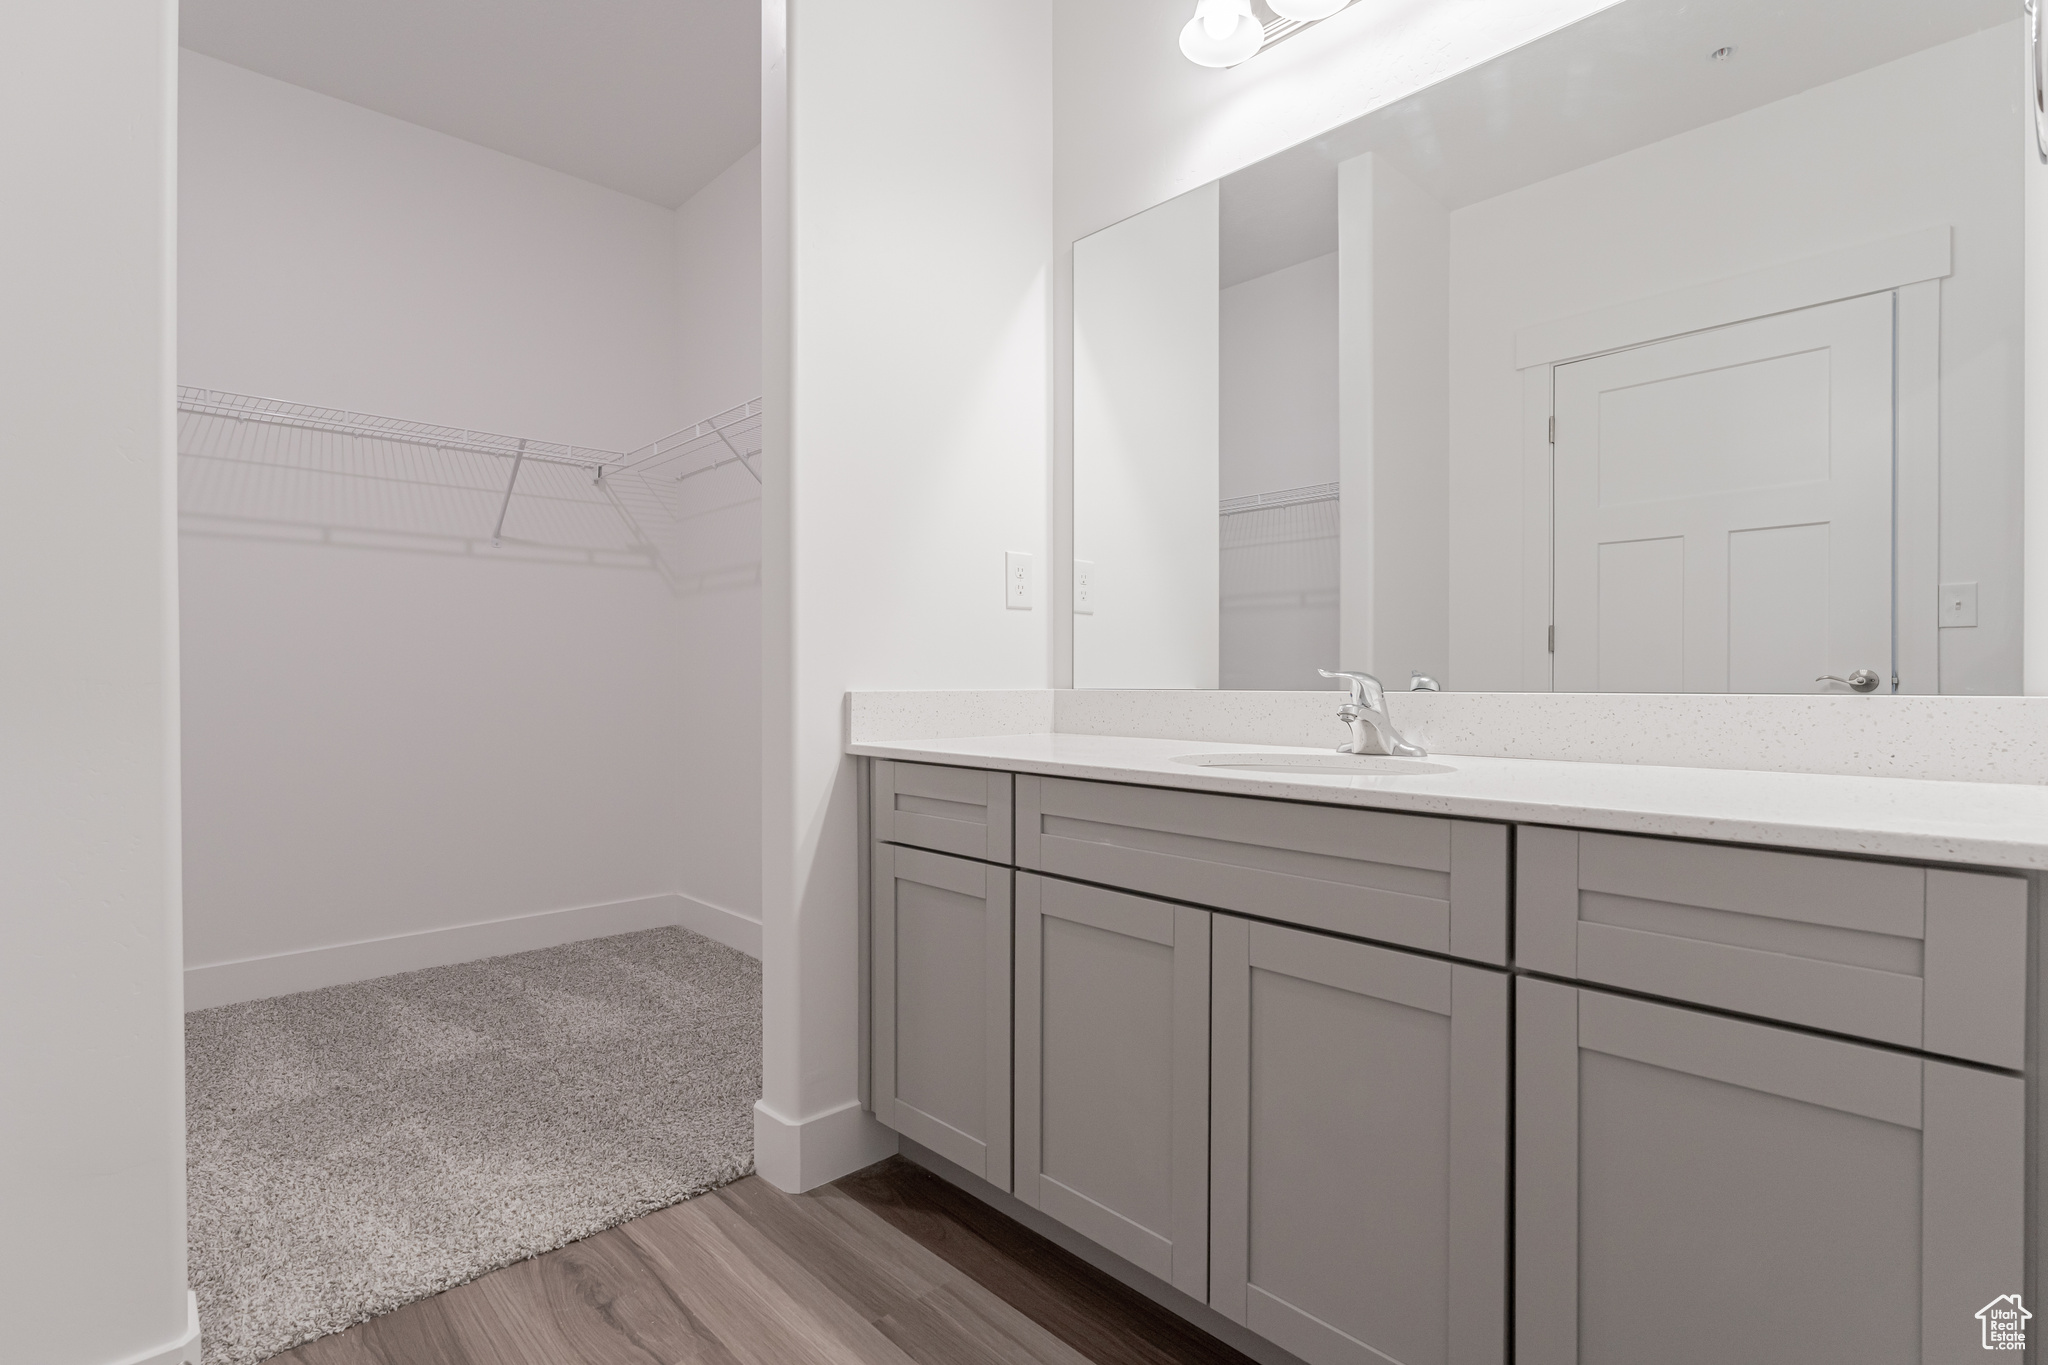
<point>518,458</point>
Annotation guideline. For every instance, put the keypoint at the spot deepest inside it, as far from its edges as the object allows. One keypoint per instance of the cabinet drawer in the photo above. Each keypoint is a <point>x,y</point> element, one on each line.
<point>1919,957</point>
<point>962,811</point>
<point>1438,885</point>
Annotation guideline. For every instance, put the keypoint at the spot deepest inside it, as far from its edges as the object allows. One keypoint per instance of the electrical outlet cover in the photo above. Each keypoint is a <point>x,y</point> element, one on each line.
<point>1017,580</point>
<point>1084,587</point>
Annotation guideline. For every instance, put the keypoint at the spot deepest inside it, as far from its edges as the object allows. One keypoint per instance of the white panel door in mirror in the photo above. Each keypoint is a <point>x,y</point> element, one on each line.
<point>1723,507</point>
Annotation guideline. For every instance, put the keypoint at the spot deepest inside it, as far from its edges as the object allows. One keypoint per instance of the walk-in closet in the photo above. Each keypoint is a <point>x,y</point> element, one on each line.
<point>469,452</point>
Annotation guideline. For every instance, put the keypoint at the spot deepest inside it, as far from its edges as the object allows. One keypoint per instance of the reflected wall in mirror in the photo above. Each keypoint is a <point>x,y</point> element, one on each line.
<point>1676,352</point>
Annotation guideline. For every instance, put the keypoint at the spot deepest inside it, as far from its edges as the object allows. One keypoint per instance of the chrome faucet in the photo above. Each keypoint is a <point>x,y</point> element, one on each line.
<point>1372,731</point>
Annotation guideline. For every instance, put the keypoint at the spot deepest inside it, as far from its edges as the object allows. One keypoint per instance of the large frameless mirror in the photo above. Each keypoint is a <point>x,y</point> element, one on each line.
<point>1679,351</point>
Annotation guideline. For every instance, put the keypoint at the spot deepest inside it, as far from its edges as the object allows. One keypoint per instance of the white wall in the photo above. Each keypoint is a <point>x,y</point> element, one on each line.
<point>409,273</point>
<point>1147,366</point>
<point>718,263</point>
<point>392,728</point>
<point>718,291</point>
<point>907,188</point>
<point>1921,142</point>
<point>1279,391</point>
<point>1393,401</point>
<point>92,1202</point>
<point>1278,620</point>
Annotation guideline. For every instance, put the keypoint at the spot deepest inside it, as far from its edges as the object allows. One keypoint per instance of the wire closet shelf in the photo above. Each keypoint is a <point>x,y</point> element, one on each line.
<point>726,438</point>
<point>1285,497</point>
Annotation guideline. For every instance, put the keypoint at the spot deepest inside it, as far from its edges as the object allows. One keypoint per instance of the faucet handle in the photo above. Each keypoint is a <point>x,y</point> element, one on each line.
<point>1365,688</point>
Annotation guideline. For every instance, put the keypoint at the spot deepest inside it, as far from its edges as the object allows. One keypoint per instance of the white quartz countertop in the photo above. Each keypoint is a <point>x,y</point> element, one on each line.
<point>1981,823</point>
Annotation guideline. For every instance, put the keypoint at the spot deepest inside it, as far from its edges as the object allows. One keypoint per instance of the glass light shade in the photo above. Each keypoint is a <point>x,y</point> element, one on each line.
<point>1219,17</point>
<point>1222,33</point>
<point>1306,11</point>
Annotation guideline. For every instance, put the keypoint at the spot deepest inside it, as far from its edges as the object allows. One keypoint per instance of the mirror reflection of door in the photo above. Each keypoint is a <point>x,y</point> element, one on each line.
<point>1723,507</point>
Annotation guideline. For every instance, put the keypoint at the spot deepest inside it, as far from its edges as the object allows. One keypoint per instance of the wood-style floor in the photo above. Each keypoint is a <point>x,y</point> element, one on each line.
<point>888,1266</point>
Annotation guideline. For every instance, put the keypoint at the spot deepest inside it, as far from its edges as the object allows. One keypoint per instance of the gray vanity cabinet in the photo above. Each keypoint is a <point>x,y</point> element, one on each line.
<point>1764,1107</point>
<point>1359,1149</point>
<point>1113,1072</point>
<point>1697,1189</point>
<point>940,1030</point>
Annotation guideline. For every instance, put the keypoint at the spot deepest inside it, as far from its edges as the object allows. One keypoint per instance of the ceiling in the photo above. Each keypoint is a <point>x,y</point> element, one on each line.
<point>649,97</point>
<point>1626,77</point>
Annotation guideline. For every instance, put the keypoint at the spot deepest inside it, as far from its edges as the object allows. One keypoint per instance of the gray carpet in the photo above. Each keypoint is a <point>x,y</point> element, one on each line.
<point>356,1148</point>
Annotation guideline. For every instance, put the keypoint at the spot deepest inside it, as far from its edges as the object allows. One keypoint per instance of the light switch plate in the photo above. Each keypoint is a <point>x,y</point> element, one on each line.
<point>1016,580</point>
<point>1084,587</point>
<point>1958,604</point>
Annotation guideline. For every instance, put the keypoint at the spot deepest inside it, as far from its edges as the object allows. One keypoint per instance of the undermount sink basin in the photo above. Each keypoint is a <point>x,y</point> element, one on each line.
<point>1319,765</point>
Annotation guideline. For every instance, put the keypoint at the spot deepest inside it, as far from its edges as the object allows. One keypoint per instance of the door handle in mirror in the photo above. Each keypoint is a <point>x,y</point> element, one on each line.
<point>1862,680</point>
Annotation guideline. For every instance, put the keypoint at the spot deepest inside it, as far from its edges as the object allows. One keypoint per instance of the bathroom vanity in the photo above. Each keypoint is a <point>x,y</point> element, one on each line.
<point>1653,390</point>
<point>1425,1066</point>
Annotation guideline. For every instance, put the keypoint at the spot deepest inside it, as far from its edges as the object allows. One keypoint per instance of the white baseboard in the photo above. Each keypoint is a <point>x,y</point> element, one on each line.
<point>259,978</point>
<point>798,1155</point>
<point>183,1351</point>
<point>729,927</point>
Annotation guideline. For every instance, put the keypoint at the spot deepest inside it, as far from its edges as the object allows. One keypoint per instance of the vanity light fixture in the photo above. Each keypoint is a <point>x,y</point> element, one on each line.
<point>1226,32</point>
<point>1222,33</point>
<point>1306,11</point>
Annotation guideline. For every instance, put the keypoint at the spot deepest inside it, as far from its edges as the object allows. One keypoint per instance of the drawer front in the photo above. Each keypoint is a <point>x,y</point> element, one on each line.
<point>1919,957</point>
<point>962,811</point>
<point>1439,885</point>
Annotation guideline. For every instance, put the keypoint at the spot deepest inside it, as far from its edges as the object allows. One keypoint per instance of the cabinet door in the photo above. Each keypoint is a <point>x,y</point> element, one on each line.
<point>1113,1072</point>
<point>1695,1190</point>
<point>1359,1188</point>
<point>941,1025</point>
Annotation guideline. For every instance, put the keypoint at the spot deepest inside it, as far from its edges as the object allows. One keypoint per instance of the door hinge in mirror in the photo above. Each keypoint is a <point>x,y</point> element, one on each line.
<point>1553,431</point>
<point>1552,646</point>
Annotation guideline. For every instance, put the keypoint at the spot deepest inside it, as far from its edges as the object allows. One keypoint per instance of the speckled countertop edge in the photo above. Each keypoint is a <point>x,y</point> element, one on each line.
<point>1984,824</point>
